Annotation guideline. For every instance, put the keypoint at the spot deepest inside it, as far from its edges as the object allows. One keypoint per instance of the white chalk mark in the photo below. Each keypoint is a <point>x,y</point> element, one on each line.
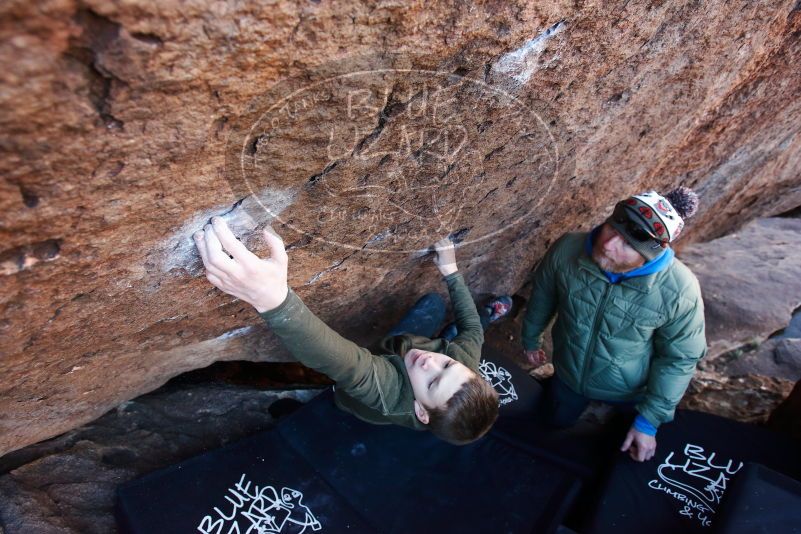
<point>234,333</point>
<point>179,251</point>
<point>522,63</point>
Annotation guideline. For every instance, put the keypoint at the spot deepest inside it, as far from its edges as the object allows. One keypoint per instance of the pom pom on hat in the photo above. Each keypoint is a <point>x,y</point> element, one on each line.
<point>684,200</point>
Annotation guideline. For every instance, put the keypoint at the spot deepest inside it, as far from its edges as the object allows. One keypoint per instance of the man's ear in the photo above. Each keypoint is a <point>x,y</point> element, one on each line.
<point>421,412</point>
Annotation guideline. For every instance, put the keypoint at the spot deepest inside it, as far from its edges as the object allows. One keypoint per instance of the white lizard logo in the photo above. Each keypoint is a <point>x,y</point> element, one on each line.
<point>260,511</point>
<point>500,379</point>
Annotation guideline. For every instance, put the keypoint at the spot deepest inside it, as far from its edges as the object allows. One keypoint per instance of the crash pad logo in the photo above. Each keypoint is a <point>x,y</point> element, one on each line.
<point>260,510</point>
<point>367,154</point>
<point>697,479</point>
<point>500,379</point>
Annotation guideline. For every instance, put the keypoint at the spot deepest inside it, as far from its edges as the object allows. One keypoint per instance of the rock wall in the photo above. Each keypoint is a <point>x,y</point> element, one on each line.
<point>751,284</point>
<point>361,131</point>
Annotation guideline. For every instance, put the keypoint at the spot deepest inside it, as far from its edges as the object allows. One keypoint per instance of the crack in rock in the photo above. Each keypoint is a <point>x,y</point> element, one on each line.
<point>98,37</point>
<point>23,257</point>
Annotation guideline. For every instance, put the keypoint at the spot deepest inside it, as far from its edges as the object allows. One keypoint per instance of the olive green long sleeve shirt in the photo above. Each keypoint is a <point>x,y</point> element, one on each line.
<point>374,388</point>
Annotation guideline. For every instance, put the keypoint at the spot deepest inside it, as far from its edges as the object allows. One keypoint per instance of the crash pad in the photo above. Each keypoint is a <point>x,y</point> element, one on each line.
<point>323,469</point>
<point>760,500</point>
<point>583,449</point>
<point>681,488</point>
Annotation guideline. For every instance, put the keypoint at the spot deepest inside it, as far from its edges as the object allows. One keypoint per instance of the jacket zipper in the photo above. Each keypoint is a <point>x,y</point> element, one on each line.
<point>593,338</point>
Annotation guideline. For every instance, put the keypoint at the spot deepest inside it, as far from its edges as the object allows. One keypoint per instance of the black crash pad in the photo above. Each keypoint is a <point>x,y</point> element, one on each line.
<point>257,485</point>
<point>681,488</point>
<point>760,500</point>
<point>401,480</point>
<point>583,449</point>
<point>342,474</point>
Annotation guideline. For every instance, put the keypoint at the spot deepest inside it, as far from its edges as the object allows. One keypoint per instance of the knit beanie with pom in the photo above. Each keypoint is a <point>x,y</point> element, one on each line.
<point>649,221</point>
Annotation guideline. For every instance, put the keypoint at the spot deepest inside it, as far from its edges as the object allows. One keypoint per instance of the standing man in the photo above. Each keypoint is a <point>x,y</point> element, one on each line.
<point>629,317</point>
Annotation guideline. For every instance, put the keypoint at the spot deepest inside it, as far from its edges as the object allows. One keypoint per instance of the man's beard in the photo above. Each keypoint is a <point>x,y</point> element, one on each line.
<point>609,265</point>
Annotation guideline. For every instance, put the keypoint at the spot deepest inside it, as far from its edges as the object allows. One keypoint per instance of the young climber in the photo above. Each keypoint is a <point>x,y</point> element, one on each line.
<point>418,382</point>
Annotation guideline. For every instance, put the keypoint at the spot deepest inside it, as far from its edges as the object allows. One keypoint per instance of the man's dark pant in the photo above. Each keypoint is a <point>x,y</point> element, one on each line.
<point>562,406</point>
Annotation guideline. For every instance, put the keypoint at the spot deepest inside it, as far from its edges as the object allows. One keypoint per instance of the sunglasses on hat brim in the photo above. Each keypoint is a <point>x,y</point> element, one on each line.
<point>632,228</point>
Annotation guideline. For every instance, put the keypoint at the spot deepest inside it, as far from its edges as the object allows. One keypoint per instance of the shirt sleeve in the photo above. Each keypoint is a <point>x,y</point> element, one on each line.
<point>678,345</point>
<point>641,424</point>
<point>356,371</point>
<point>542,302</point>
<point>468,322</point>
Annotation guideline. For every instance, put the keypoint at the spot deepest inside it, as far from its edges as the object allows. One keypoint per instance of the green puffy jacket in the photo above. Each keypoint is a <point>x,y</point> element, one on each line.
<point>374,387</point>
<point>639,338</point>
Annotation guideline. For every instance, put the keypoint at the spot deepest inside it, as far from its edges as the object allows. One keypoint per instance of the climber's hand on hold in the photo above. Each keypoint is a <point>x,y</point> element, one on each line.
<point>261,283</point>
<point>446,256</point>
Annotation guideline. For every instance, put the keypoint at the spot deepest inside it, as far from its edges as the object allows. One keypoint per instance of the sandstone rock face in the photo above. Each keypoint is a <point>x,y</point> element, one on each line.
<point>129,124</point>
<point>749,398</point>
<point>750,280</point>
<point>751,283</point>
<point>780,358</point>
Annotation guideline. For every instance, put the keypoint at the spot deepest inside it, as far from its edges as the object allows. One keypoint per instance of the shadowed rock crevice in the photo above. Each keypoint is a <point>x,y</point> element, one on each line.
<point>23,257</point>
<point>99,35</point>
<point>316,178</point>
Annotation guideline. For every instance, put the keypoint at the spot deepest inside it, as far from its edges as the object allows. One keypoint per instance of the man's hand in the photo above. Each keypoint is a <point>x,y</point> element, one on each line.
<point>641,446</point>
<point>536,357</point>
<point>446,256</point>
<point>262,283</point>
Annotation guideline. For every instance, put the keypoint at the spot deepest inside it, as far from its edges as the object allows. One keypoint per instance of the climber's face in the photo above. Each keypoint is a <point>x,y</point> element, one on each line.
<point>435,378</point>
<point>612,253</point>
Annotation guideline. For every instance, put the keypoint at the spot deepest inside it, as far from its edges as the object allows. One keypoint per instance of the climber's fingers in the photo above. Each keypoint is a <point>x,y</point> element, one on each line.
<point>214,251</point>
<point>214,279</point>
<point>200,243</point>
<point>230,243</point>
<point>443,244</point>
<point>276,244</point>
